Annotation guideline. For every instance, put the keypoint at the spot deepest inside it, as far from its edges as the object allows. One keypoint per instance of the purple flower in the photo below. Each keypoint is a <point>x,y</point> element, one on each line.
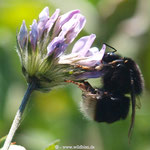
<point>42,49</point>
<point>83,54</point>
<point>34,34</point>
<point>23,36</point>
<point>62,20</point>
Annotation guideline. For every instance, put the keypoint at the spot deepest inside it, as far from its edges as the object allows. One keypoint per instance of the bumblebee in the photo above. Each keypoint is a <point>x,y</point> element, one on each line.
<point>122,82</point>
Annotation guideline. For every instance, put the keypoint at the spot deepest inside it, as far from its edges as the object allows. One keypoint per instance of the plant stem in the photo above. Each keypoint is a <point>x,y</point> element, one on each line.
<point>17,119</point>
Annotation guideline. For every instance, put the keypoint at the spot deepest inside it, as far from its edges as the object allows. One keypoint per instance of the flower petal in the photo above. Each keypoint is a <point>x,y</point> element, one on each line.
<point>83,45</point>
<point>92,74</point>
<point>62,20</point>
<point>23,36</point>
<point>92,51</point>
<point>52,20</point>
<point>72,28</point>
<point>88,62</point>
<point>56,46</point>
<point>76,30</point>
<point>43,18</point>
<point>44,15</point>
<point>102,51</point>
<point>91,58</point>
<point>34,34</point>
<point>94,58</point>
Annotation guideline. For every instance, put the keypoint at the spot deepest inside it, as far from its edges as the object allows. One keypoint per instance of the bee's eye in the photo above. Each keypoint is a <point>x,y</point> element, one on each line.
<point>110,54</point>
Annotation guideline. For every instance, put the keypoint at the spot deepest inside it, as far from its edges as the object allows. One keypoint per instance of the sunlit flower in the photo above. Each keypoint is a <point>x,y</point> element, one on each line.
<point>41,50</point>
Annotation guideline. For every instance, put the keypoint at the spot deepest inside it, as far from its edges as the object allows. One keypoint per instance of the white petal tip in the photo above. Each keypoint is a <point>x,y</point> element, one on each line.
<point>104,46</point>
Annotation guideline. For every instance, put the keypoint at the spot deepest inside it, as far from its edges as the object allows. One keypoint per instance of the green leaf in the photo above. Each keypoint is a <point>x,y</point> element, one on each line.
<point>53,146</point>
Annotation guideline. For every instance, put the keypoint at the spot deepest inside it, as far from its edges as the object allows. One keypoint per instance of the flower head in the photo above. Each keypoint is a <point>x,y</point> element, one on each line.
<point>41,50</point>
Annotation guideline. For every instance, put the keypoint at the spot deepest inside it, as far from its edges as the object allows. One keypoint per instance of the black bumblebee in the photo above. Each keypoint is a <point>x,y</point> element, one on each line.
<point>120,76</point>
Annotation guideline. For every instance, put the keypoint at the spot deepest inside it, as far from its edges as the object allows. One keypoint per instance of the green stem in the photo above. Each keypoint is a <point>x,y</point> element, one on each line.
<point>17,119</point>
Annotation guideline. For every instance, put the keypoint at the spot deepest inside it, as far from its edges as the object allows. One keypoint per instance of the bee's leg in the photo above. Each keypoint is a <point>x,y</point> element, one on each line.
<point>83,85</point>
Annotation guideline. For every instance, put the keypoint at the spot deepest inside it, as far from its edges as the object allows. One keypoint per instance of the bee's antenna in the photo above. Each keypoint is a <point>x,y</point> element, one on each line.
<point>111,47</point>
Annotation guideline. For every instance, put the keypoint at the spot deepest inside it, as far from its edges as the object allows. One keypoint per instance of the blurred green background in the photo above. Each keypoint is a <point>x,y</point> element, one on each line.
<point>125,25</point>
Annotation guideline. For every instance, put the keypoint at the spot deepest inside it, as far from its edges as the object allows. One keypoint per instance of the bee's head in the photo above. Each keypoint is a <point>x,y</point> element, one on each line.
<point>110,56</point>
